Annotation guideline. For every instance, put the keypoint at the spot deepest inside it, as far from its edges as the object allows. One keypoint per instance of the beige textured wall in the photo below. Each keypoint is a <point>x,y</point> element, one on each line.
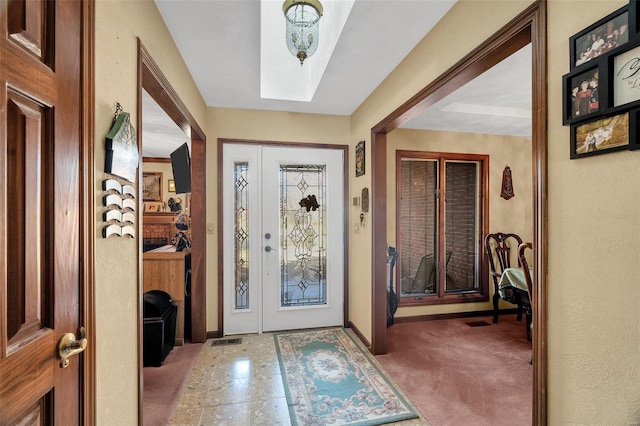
<point>262,126</point>
<point>514,215</point>
<point>118,23</point>
<point>594,241</point>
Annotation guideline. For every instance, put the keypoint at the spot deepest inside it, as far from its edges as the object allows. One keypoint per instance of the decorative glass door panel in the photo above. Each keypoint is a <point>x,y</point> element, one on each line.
<point>303,232</point>
<point>241,235</point>
<point>284,217</point>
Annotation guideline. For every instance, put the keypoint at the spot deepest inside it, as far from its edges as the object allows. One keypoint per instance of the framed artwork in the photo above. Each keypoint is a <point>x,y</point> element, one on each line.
<point>152,186</point>
<point>603,36</point>
<point>600,136</point>
<point>360,159</point>
<point>583,94</point>
<point>171,185</point>
<point>625,76</point>
<point>152,207</point>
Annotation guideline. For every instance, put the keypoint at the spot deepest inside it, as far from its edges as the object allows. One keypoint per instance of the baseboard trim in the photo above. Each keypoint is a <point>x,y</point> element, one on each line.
<point>216,334</point>
<point>358,333</point>
<point>454,315</point>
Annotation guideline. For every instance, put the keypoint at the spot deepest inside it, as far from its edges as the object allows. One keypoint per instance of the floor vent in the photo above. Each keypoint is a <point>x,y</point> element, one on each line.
<point>220,342</point>
<point>477,323</point>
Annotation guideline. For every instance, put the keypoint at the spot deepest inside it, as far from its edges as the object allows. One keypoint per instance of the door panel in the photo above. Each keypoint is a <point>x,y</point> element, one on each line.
<point>283,263</point>
<point>40,166</point>
<point>303,273</point>
<point>242,268</point>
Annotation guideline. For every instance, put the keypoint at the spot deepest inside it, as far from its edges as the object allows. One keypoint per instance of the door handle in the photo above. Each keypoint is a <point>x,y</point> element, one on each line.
<point>267,249</point>
<point>68,345</point>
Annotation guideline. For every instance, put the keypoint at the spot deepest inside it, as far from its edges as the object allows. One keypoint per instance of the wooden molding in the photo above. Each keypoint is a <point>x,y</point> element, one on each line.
<point>88,179</point>
<point>528,27</point>
<point>156,160</point>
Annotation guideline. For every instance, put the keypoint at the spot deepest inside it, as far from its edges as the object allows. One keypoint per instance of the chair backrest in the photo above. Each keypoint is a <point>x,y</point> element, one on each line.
<point>525,267</point>
<point>425,272</point>
<point>498,248</point>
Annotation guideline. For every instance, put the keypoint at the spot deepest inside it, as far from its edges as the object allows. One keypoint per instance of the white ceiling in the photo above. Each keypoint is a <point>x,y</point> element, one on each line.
<point>219,41</point>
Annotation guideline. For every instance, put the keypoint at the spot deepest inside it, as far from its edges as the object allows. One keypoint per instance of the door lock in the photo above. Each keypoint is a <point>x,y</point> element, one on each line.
<point>68,346</point>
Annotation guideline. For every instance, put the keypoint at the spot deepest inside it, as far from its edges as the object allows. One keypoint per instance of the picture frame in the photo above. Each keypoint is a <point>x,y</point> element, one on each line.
<point>634,121</point>
<point>360,158</point>
<point>601,136</point>
<point>609,33</point>
<point>624,72</point>
<point>171,185</point>
<point>584,97</point>
<point>152,186</point>
<point>152,207</point>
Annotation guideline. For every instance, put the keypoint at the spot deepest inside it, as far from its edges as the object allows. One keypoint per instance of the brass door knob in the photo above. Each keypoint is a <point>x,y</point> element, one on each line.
<point>68,346</point>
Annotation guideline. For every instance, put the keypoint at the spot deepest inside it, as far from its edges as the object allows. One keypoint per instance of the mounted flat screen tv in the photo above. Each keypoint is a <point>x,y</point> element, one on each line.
<point>181,165</point>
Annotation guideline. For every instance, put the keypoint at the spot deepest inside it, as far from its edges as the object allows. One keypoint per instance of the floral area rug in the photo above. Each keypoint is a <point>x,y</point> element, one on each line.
<point>330,379</point>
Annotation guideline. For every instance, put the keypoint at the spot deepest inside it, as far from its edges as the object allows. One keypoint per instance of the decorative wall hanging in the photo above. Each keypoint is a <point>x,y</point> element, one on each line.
<point>360,159</point>
<point>120,204</point>
<point>122,155</point>
<point>601,94</point>
<point>365,200</point>
<point>507,184</point>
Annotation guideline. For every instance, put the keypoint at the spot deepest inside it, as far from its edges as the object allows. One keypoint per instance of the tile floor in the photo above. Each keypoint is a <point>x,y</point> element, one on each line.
<point>238,384</point>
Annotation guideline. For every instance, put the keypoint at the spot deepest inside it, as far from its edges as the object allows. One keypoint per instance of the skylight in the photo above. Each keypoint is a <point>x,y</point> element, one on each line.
<point>281,76</point>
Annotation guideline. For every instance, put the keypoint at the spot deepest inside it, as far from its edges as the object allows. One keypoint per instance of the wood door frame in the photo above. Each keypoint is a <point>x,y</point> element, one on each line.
<point>151,79</point>
<point>87,234</point>
<point>529,26</point>
<point>345,224</point>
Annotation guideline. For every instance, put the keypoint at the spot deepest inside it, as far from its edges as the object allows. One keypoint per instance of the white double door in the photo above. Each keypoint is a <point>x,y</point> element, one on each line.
<point>283,216</point>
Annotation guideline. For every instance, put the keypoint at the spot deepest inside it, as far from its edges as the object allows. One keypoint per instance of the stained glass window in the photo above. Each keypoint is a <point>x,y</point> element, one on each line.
<point>241,246</point>
<point>303,235</point>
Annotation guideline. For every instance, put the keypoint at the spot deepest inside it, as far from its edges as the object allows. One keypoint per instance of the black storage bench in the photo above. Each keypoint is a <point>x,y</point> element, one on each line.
<point>159,328</point>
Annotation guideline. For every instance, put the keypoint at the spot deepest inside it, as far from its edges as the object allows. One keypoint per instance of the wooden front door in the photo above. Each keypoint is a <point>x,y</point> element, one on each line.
<point>40,209</point>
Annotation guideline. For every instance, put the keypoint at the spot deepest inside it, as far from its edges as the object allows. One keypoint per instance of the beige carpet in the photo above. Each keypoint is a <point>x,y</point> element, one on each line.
<point>163,385</point>
<point>456,374</point>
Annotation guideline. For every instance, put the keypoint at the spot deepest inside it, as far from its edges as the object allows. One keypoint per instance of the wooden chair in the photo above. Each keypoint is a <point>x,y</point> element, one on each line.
<point>524,265</point>
<point>498,247</point>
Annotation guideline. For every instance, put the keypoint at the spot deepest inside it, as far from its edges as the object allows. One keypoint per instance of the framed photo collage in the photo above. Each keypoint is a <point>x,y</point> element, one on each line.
<point>601,93</point>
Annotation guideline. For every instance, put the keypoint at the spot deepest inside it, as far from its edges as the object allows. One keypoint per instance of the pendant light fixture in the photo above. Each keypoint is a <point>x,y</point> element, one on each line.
<point>303,17</point>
